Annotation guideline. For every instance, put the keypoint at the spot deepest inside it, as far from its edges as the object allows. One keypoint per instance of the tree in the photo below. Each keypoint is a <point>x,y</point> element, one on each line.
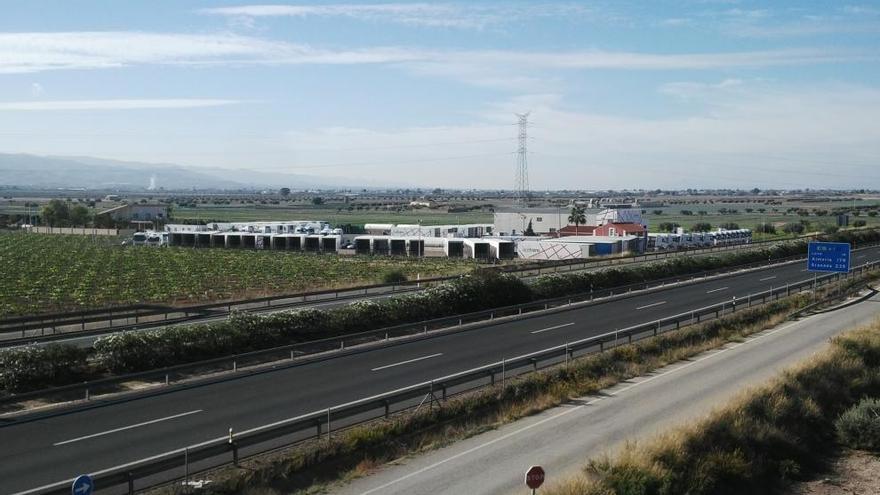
<point>794,228</point>
<point>831,229</point>
<point>577,217</point>
<point>657,212</point>
<point>666,226</point>
<point>765,228</point>
<point>284,191</point>
<point>859,223</point>
<point>729,226</point>
<point>529,231</point>
<point>317,200</point>
<point>79,216</point>
<point>872,214</point>
<point>702,227</point>
<point>687,213</point>
<point>56,213</point>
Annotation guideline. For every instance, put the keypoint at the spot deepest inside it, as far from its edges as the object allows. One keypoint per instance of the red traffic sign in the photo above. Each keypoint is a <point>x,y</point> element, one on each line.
<point>535,477</point>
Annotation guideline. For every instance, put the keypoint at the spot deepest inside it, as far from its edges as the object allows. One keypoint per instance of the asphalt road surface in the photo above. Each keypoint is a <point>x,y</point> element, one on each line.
<point>56,447</point>
<point>563,438</point>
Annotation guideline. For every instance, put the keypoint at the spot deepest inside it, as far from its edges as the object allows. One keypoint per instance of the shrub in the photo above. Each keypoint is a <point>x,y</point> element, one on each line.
<point>859,223</point>
<point>765,228</point>
<point>859,426</point>
<point>393,277</point>
<point>32,367</point>
<point>729,226</point>
<point>794,228</point>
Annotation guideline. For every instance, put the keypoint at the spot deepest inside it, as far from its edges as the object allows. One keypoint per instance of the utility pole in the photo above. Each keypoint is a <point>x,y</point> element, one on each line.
<point>522,160</point>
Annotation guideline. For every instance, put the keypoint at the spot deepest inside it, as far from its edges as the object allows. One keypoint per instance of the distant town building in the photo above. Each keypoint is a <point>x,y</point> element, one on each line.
<point>137,211</point>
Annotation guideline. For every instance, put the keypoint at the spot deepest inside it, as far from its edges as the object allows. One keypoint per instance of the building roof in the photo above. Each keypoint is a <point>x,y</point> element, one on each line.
<point>570,230</point>
<point>626,227</point>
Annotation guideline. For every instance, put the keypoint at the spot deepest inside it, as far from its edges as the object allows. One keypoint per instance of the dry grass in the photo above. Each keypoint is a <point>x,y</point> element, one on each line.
<point>758,443</point>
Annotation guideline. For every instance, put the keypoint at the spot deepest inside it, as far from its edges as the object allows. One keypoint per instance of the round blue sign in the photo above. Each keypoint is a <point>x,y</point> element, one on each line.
<point>82,485</point>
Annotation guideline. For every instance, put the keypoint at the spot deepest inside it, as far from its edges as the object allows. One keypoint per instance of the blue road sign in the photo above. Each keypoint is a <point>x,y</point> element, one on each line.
<point>828,257</point>
<point>82,485</point>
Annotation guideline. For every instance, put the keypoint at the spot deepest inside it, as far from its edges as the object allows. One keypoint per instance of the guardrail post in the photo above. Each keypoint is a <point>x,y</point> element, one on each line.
<point>87,393</point>
<point>425,329</point>
<point>492,378</point>
<point>459,322</point>
<point>166,378</point>
<point>328,424</point>
<point>387,408</point>
<point>234,365</point>
<point>130,483</point>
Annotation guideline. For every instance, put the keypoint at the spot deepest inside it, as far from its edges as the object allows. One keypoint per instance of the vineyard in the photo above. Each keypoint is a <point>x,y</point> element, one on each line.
<point>46,273</point>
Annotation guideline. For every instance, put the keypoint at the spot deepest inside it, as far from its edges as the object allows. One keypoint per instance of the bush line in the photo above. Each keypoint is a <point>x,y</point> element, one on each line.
<point>26,369</point>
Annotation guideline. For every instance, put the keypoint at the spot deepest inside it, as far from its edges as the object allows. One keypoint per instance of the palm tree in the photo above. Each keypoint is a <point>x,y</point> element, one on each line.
<point>577,217</point>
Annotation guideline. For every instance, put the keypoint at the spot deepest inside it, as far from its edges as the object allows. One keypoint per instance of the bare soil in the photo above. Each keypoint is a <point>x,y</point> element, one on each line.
<point>853,473</point>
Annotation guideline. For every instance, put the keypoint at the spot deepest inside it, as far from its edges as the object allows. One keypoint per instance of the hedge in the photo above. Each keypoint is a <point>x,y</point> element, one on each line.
<point>139,351</point>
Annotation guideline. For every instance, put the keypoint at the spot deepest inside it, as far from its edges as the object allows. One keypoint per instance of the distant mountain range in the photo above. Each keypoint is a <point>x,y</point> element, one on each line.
<point>98,173</point>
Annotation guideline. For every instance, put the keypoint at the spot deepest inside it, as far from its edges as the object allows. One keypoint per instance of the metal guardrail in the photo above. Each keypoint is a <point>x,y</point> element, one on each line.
<point>228,449</point>
<point>144,318</point>
<point>157,315</point>
<point>173,374</point>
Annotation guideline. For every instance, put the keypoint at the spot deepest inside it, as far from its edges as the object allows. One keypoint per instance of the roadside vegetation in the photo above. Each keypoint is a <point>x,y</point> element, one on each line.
<point>145,350</point>
<point>761,441</point>
<point>304,468</point>
<point>49,273</point>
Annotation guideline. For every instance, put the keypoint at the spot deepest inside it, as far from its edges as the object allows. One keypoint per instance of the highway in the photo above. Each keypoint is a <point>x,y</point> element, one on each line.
<point>563,438</point>
<point>74,334</point>
<point>57,446</point>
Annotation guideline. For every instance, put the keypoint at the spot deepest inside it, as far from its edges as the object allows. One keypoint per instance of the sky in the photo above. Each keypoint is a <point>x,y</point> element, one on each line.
<point>655,94</point>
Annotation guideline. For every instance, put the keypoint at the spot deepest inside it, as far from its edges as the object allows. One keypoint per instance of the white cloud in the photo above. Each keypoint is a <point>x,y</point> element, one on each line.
<point>764,135</point>
<point>139,104</point>
<point>448,15</point>
<point>33,52</point>
<point>689,90</point>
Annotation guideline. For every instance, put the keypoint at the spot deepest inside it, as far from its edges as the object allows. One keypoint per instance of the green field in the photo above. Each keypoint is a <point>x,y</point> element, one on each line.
<point>238,213</point>
<point>749,220</point>
<point>46,273</point>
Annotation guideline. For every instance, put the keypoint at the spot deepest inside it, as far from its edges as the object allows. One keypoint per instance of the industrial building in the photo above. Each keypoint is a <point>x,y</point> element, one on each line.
<point>554,221</point>
<point>137,211</point>
<point>441,231</point>
<point>575,247</point>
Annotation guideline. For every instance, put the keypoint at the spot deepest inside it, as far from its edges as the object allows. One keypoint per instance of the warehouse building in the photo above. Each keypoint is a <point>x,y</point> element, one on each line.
<point>554,221</point>
<point>137,211</point>
<point>576,247</point>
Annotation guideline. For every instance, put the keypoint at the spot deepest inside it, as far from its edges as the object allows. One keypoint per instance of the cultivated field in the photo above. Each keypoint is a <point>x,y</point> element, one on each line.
<point>44,273</point>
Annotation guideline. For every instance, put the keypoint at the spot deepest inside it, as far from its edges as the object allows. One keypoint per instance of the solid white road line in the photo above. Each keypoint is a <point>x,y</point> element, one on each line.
<point>651,305</point>
<point>767,278</point>
<point>145,423</point>
<point>514,433</point>
<point>716,290</point>
<point>407,361</point>
<point>553,328</point>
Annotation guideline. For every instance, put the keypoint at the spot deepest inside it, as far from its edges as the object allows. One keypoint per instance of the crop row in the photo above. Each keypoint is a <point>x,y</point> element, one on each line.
<point>53,272</point>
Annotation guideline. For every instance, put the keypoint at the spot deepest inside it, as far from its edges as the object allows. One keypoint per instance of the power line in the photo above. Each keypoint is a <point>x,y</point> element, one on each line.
<point>522,159</point>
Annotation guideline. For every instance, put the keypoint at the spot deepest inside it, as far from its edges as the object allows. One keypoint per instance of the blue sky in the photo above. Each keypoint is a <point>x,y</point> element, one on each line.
<point>660,94</point>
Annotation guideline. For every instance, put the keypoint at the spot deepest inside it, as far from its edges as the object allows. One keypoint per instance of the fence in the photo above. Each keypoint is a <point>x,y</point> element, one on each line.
<point>231,448</point>
<point>96,322</point>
